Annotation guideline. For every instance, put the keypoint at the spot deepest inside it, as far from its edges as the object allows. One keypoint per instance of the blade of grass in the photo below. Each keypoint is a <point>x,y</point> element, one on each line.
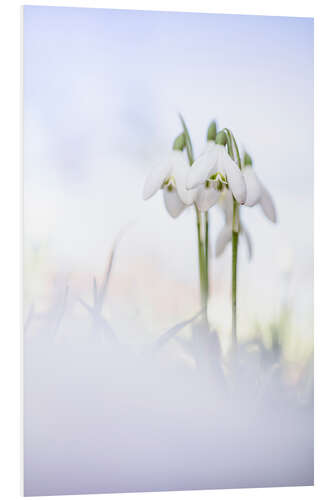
<point>169,334</point>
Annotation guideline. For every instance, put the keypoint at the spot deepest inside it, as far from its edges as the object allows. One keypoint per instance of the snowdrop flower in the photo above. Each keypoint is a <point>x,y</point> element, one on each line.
<point>214,170</point>
<point>225,235</point>
<point>267,205</point>
<point>170,176</point>
<point>256,193</point>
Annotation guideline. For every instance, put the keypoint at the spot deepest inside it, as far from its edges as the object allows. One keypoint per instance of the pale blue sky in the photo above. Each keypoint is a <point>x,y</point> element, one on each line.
<point>102,89</point>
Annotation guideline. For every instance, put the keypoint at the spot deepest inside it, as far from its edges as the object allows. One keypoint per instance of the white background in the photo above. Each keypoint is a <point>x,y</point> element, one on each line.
<point>11,208</point>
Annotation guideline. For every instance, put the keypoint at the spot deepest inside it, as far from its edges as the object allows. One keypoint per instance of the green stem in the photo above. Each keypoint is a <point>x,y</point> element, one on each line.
<point>202,254</point>
<point>201,258</point>
<point>207,254</point>
<point>231,144</point>
<point>235,233</point>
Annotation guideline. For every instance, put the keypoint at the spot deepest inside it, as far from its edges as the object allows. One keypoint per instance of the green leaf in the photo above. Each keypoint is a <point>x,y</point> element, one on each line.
<point>247,159</point>
<point>179,142</point>
<point>221,138</point>
<point>188,142</point>
<point>211,132</point>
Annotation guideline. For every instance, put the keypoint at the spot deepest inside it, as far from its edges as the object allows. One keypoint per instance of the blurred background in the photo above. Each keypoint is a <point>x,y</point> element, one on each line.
<point>102,93</point>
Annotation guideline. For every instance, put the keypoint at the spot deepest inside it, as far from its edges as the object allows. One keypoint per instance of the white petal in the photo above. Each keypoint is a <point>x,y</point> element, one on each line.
<point>227,205</point>
<point>267,204</point>
<point>234,175</point>
<point>253,186</point>
<point>201,168</point>
<point>248,240</point>
<point>210,145</point>
<point>155,179</point>
<point>173,203</point>
<point>207,197</point>
<point>223,239</point>
<point>177,157</point>
<point>180,172</point>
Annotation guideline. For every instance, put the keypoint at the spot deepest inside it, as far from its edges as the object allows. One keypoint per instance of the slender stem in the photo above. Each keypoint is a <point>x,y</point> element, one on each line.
<point>201,261</point>
<point>237,151</point>
<point>235,232</point>
<point>202,254</point>
<point>229,143</point>
<point>207,253</point>
<point>232,146</point>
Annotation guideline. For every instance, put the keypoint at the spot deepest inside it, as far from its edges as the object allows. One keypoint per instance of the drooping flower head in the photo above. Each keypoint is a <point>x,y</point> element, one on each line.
<point>225,234</point>
<point>256,193</point>
<point>170,176</point>
<point>213,171</point>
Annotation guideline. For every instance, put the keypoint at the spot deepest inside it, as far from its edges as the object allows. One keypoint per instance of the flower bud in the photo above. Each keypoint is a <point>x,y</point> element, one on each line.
<point>179,142</point>
<point>211,132</point>
<point>247,160</point>
<point>221,138</point>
